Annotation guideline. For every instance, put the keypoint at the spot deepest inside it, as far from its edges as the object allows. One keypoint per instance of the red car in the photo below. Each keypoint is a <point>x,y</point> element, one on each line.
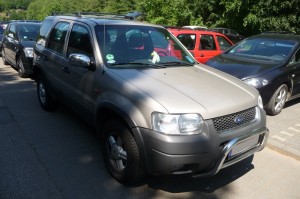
<point>202,44</point>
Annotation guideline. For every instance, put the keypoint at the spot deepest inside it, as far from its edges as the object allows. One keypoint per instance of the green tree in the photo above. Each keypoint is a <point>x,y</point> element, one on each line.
<point>34,10</point>
<point>120,6</point>
<point>274,15</point>
<point>167,12</point>
<point>246,16</point>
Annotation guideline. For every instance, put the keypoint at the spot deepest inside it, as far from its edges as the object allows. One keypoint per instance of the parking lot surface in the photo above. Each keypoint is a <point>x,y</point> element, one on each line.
<point>285,130</point>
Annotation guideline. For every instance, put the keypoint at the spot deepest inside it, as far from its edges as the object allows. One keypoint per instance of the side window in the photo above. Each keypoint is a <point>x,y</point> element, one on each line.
<point>12,31</point>
<point>188,40</point>
<point>207,42</point>
<point>79,41</point>
<point>57,37</point>
<point>41,38</point>
<point>223,43</point>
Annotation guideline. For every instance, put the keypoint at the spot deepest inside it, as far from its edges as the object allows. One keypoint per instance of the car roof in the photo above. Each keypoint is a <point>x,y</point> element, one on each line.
<point>25,22</point>
<point>195,27</point>
<point>191,31</point>
<point>109,19</point>
<point>292,37</point>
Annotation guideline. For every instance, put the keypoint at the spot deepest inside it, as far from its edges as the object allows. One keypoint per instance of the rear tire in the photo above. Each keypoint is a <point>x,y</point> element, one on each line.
<point>121,153</point>
<point>277,101</point>
<point>44,96</point>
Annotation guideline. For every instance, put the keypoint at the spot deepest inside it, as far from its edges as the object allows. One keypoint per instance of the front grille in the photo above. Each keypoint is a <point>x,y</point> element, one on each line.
<point>234,120</point>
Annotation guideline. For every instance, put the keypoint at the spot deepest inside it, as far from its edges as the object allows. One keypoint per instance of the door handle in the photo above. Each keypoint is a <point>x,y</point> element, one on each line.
<point>66,70</point>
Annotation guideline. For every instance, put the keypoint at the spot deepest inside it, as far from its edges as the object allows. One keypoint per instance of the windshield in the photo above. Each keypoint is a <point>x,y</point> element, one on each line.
<point>140,46</point>
<point>266,49</point>
<point>28,32</point>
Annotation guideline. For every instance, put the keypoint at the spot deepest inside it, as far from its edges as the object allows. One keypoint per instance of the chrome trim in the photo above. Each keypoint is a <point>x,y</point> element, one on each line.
<point>223,163</point>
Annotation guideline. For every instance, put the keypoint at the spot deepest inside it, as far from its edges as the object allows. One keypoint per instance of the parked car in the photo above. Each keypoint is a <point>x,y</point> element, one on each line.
<point>233,35</point>
<point>17,46</point>
<point>3,24</point>
<point>268,62</point>
<point>1,35</point>
<point>156,110</point>
<point>202,44</point>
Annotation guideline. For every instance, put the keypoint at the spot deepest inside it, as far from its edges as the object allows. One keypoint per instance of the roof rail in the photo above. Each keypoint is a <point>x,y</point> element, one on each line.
<point>130,15</point>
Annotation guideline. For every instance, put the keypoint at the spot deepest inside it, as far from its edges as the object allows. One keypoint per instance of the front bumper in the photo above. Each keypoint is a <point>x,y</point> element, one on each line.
<point>28,64</point>
<point>203,154</point>
<point>226,160</point>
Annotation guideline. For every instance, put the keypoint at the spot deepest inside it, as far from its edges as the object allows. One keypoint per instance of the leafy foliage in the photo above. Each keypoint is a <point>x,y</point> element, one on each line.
<point>246,16</point>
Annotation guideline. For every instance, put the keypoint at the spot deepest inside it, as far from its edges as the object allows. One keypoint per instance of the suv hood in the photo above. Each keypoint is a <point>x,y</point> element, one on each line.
<point>198,89</point>
<point>242,67</point>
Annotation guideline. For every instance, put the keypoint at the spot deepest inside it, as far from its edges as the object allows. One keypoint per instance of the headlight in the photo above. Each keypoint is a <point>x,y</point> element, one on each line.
<point>28,52</point>
<point>256,82</point>
<point>184,124</point>
<point>260,102</point>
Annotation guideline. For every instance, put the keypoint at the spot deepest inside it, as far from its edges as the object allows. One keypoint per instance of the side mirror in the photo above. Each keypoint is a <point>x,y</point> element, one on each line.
<point>82,60</point>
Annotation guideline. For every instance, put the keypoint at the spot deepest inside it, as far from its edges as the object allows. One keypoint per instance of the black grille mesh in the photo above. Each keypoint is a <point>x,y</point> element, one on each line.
<point>229,121</point>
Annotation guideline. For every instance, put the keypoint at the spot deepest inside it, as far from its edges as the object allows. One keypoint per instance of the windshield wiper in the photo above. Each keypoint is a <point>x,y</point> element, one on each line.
<point>177,63</point>
<point>139,64</point>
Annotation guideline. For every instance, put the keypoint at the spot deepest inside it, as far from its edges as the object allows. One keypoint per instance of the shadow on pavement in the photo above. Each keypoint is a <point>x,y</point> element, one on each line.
<point>292,102</point>
<point>186,183</point>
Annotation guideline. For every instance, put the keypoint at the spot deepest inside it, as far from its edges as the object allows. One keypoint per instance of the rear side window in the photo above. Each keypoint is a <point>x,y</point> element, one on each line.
<point>79,41</point>
<point>223,43</point>
<point>41,38</point>
<point>58,36</point>
<point>207,42</point>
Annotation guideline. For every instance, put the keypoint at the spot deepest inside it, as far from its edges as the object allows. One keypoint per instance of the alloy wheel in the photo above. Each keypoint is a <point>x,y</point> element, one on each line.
<point>116,152</point>
<point>280,99</point>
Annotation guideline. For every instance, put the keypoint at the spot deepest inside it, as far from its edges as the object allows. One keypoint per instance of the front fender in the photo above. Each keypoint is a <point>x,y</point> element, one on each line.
<point>136,112</point>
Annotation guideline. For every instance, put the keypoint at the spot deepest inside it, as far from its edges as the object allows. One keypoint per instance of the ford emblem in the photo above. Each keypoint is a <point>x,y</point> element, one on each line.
<point>238,120</point>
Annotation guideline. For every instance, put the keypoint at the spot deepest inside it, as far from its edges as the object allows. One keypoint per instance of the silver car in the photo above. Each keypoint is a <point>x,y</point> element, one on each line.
<point>156,109</point>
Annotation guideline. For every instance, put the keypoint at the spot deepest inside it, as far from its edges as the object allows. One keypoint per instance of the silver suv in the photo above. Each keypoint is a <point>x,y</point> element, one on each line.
<point>156,109</point>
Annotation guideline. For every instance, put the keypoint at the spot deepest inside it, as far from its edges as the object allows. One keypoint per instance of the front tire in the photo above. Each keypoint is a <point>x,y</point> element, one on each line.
<point>121,153</point>
<point>20,68</point>
<point>277,101</point>
<point>45,99</point>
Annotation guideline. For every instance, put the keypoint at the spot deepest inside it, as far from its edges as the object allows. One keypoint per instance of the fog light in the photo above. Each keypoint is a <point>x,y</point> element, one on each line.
<point>177,167</point>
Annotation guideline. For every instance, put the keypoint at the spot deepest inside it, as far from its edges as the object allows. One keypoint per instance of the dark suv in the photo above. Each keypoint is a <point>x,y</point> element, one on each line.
<point>17,45</point>
<point>156,109</point>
